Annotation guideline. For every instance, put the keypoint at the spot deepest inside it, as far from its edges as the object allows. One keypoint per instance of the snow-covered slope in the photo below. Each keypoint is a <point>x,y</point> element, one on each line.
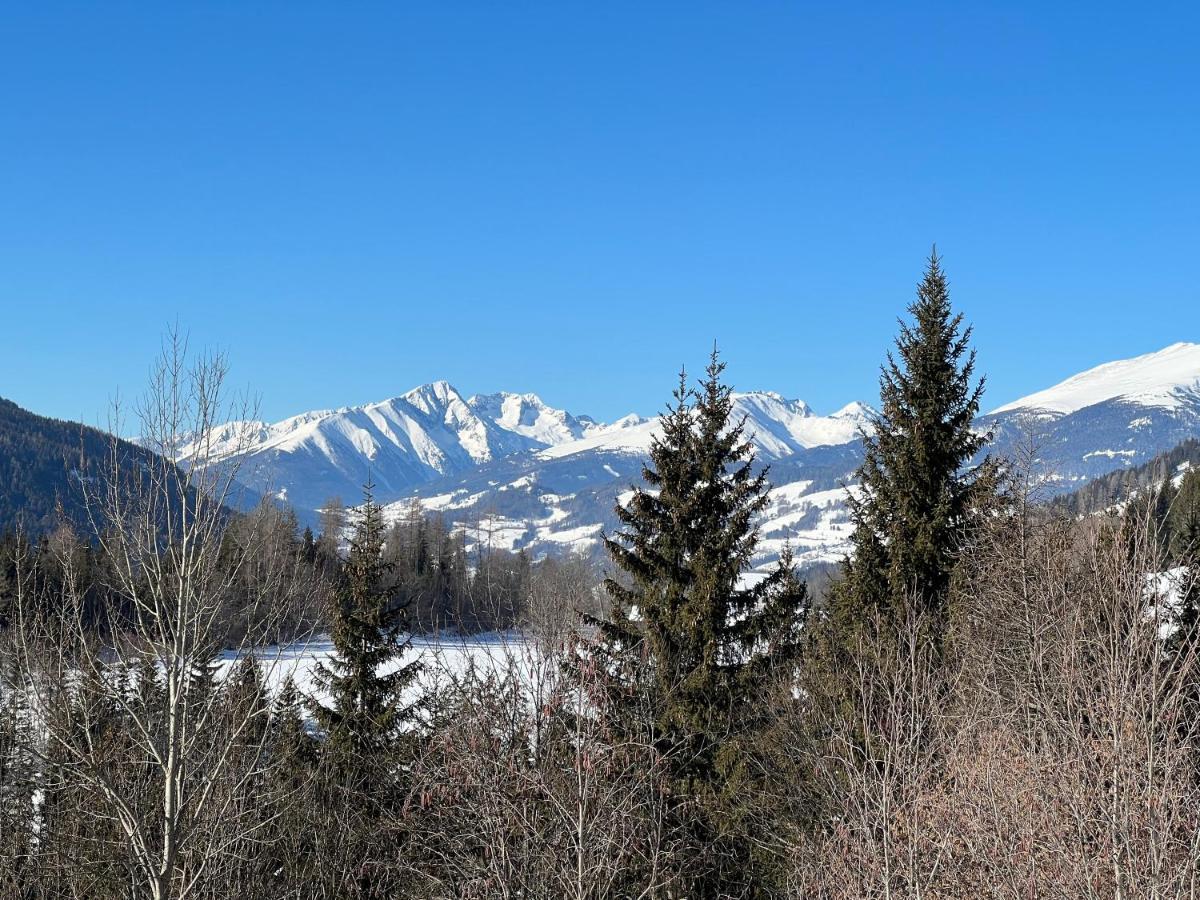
<point>777,427</point>
<point>1166,379</point>
<point>425,434</point>
<point>527,415</point>
<point>562,497</point>
<point>1114,416</point>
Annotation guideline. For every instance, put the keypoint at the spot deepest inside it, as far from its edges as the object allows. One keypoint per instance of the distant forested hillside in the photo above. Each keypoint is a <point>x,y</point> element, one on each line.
<point>1117,487</point>
<point>40,464</point>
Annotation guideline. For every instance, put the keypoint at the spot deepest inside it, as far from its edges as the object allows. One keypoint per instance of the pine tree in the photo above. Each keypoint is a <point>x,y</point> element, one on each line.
<point>1162,502</point>
<point>291,745</point>
<point>245,701</point>
<point>360,772</point>
<point>308,545</point>
<point>1184,518</point>
<point>690,638</point>
<point>370,637</point>
<point>917,492</point>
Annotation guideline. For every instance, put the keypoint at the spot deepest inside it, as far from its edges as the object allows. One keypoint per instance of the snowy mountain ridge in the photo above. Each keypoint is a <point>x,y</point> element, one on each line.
<point>428,432</point>
<point>432,432</point>
<point>776,426</point>
<point>514,472</point>
<point>1167,378</point>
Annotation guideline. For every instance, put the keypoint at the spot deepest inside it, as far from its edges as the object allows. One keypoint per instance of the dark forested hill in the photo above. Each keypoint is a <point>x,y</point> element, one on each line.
<point>1117,487</point>
<point>41,461</point>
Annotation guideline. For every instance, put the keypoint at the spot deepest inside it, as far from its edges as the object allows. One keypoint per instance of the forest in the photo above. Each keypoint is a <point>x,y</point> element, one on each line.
<point>992,696</point>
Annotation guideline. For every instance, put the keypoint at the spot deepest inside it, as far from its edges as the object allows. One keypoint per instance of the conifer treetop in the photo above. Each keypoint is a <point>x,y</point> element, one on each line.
<point>918,487</point>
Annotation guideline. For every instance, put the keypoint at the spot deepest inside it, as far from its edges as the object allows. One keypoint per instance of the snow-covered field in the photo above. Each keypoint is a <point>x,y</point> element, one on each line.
<point>444,659</point>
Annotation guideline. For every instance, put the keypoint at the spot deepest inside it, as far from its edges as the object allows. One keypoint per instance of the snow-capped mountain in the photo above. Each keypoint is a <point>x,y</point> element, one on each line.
<point>1166,379</point>
<point>562,497</point>
<point>777,427</point>
<point>428,433</point>
<point>516,473</point>
<point>1117,414</point>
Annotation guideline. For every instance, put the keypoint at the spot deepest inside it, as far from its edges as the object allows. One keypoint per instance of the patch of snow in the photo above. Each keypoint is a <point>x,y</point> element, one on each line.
<point>443,657</point>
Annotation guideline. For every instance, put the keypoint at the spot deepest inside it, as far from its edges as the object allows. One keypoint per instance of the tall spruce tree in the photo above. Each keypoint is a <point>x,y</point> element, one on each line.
<point>691,639</point>
<point>370,636</point>
<point>918,491</point>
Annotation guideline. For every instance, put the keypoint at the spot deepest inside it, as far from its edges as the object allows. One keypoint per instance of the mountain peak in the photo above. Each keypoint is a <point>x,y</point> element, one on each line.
<point>1157,379</point>
<point>855,410</point>
<point>772,401</point>
<point>530,416</point>
<point>435,394</point>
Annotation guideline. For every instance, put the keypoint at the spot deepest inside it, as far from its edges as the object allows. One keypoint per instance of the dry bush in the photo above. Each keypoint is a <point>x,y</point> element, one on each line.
<point>1052,755</point>
<point>524,791</point>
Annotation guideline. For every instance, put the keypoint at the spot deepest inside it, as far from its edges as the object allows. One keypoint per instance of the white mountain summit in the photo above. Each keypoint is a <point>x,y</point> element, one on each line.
<point>1166,379</point>
<point>776,426</point>
<point>427,433</point>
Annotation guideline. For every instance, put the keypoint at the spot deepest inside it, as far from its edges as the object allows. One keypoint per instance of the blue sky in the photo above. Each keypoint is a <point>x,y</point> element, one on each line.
<point>574,199</point>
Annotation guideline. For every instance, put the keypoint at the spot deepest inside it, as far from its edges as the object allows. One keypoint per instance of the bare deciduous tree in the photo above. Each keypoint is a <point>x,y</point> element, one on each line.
<point>172,790</point>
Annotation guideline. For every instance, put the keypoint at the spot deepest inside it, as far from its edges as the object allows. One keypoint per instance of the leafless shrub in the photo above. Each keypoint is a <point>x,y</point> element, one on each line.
<point>1052,755</point>
<point>525,791</point>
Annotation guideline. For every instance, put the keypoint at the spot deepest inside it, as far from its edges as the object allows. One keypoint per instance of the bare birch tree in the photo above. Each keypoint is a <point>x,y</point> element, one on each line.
<point>177,799</point>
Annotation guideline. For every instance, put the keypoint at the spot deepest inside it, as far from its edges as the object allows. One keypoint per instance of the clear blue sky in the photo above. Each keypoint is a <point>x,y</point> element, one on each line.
<point>573,199</point>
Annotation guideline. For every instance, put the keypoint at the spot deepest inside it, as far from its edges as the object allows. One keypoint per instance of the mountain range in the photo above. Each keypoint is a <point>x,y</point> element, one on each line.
<point>517,473</point>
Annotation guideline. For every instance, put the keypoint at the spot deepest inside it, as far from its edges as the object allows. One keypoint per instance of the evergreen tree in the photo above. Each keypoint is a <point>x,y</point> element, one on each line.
<point>690,639</point>
<point>362,757</point>
<point>291,745</point>
<point>370,636</point>
<point>1184,520</point>
<point>328,542</point>
<point>917,493</point>
<point>1163,502</point>
<point>245,701</point>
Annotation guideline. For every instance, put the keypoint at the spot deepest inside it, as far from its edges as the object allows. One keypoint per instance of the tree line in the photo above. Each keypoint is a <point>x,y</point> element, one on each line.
<point>993,697</point>
<point>1122,485</point>
<point>451,587</point>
